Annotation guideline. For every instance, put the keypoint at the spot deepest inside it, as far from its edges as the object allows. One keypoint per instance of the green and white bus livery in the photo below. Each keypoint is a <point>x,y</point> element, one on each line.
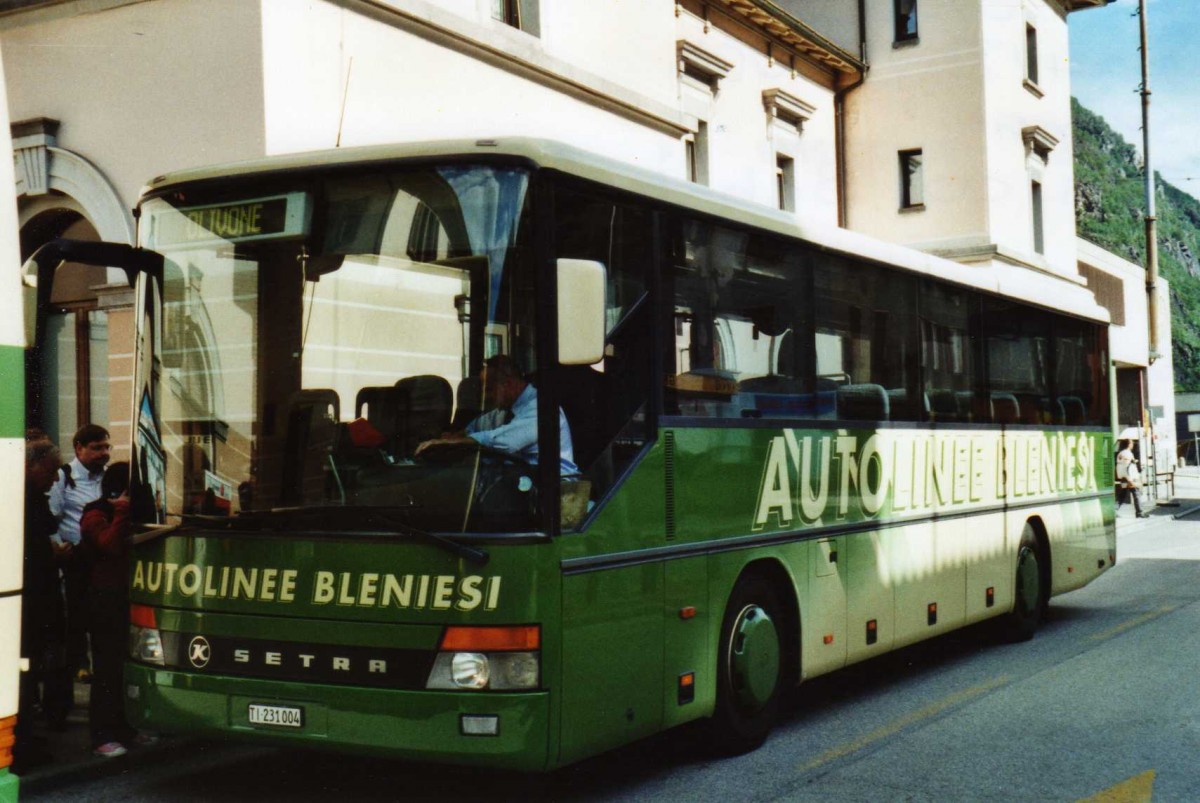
<point>796,449</point>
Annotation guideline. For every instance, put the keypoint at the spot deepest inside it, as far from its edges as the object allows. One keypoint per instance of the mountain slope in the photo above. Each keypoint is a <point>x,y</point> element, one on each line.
<point>1109,209</point>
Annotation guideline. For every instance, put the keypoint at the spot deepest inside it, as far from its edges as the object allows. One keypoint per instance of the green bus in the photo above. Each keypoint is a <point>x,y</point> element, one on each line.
<point>781,450</point>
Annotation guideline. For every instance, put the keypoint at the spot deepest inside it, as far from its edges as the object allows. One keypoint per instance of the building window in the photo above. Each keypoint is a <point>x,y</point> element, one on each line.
<point>912,180</point>
<point>785,182</point>
<point>520,14</point>
<point>1039,243</point>
<point>1031,55</point>
<point>906,20</point>
<point>696,154</point>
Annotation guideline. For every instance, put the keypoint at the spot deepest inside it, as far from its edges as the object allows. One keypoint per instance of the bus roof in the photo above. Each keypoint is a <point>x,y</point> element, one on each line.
<point>1012,280</point>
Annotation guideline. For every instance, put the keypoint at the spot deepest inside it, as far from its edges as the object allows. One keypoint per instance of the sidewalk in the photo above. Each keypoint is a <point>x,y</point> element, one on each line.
<point>71,749</point>
<point>1185,504</point>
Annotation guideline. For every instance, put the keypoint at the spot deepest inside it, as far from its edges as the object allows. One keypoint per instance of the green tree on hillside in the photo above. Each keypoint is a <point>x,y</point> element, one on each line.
<point>1109,210</point>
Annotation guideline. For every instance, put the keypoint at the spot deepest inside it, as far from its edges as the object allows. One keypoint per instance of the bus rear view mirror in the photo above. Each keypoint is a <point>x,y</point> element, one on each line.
<point>37,275</point>
<point>581,303</point>
<point>29,299</point>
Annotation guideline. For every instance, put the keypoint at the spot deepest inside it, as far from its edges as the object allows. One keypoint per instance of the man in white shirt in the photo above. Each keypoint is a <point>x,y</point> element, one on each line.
<point>510,425</point>
<point>77,484</point>
<point>1129,480</point>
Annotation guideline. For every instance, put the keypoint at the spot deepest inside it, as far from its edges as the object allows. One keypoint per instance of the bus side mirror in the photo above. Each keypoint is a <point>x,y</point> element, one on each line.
<point>581,304</point>
<point>37,275</point>
<point>29,298</point>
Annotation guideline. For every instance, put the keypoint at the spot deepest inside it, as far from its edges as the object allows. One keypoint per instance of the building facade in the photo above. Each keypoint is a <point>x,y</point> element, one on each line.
<point>943,125</point>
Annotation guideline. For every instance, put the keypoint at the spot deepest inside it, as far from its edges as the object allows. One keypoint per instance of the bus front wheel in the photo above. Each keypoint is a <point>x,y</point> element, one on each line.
<point>749,667</point>
<point>1030,593</point>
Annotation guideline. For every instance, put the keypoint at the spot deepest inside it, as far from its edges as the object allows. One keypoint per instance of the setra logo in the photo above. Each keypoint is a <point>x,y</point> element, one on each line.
<point>199,652</point>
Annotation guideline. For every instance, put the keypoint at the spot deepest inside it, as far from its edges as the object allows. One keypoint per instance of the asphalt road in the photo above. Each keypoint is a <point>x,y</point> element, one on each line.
<point>1102,704</point>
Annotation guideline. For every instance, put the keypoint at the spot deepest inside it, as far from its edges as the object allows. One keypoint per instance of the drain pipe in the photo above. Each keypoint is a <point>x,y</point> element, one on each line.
<point>839,106</point>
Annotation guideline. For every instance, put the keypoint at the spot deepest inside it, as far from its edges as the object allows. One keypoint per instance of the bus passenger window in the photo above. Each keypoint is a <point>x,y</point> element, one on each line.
<point>1018,363</point>
<point>738,348</point>
<point>949,322</point>
<point>866,334</point>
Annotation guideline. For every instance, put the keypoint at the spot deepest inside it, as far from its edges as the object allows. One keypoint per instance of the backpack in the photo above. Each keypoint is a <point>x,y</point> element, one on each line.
<point>68,480</point>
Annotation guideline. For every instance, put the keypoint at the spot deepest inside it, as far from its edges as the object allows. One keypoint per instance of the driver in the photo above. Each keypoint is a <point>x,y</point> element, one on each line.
<point>510,423</point>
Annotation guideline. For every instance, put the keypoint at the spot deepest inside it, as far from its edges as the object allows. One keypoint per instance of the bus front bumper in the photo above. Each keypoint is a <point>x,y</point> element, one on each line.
<point>418,725</point>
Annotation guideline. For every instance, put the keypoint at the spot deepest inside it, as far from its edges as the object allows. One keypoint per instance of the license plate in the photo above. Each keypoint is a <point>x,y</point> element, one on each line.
<point>283,716</point>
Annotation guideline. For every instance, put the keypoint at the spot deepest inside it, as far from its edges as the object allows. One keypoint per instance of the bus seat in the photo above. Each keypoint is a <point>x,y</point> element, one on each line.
<point>1005,408</point>
<point>863,402</point>
<point>966,400</point>
<point>312,430</point>
<point>776,395</point>
<point>943,405</point>
<point>468,402</point>
<point>425,403</point>
<point>900,409</point>
<point>381,406</point>
<point>581,394</point>
<point>771,383</point>
<point>1071,410</point>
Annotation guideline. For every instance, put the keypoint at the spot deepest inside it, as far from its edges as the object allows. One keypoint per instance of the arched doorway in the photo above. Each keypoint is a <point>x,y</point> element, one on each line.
<point>67,372</point>
<point>60,193</point>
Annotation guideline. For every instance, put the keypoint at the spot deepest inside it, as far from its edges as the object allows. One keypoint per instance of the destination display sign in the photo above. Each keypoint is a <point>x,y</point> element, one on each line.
<point>274,217</point>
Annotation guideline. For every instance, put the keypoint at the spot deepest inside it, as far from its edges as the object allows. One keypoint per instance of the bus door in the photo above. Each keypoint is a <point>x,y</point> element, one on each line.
<point>612,606</point>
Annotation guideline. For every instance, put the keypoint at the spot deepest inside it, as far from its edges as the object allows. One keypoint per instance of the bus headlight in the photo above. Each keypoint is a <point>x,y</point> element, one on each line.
<point>500,671</point>
<point>493,658</point>
<point>145,642</point>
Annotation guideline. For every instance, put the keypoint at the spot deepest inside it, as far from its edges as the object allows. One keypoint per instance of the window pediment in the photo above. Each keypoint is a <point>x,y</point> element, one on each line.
<point>701,65</point>
<point>787,108</point>
<point>1038,141</point>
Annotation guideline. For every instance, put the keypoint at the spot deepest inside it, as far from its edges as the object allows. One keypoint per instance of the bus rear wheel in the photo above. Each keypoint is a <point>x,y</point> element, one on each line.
<point>1030,592</point>
<point>749,667</point>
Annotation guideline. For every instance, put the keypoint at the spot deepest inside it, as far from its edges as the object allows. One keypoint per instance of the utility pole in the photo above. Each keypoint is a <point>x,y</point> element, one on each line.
<point>1151,228</point>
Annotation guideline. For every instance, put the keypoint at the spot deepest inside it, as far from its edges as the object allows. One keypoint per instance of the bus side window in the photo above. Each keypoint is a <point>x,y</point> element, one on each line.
<point>866,334</point>
<point>607,404</point>
<point>949,369</point>
<point>1019,359</point>
<point>739,340</point>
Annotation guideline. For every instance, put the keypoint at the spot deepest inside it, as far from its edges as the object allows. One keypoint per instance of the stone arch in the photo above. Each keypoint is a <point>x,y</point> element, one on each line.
<point>48,176</point>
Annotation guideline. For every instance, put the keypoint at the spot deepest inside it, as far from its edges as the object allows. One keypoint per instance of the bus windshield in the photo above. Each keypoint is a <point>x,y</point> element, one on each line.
<point>317,328</point>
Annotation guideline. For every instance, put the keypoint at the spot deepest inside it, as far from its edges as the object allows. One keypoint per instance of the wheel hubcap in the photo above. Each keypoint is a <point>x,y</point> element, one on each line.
<point>754,658</point>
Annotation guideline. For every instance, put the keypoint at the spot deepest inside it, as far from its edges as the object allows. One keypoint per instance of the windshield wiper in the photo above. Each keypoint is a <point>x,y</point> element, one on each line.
<point>469,553</point>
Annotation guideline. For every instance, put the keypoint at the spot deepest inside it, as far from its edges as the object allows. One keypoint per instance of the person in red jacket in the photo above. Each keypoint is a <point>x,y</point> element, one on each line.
<point>104,529</point>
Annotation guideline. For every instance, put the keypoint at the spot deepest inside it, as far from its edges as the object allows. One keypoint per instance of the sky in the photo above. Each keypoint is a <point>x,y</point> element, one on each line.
<point>1106,74</point>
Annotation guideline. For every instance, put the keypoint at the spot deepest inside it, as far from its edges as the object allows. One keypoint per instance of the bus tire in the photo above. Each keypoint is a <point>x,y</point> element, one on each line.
<point>750,667</point>
<point>1029,592</point>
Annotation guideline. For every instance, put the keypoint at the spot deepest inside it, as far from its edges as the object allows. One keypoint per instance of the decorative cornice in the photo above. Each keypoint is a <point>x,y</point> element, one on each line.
<point>1080,5</point>
<point>787,107</point>
<point>699,59</point>
<point>984,252</point>
<point>778,24</point>
<point>33,140</point>
<point>1039,140</point>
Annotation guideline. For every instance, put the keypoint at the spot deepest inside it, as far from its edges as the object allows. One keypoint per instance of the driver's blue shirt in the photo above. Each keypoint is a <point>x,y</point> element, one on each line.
<point>518,436</point>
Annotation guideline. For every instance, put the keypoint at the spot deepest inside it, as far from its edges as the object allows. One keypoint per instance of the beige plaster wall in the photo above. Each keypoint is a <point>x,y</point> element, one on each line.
<point>1011,106</point>
<point>405,87</point>
<point>743,141</point>
<point>143,88</point>
<point>926,95</point>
